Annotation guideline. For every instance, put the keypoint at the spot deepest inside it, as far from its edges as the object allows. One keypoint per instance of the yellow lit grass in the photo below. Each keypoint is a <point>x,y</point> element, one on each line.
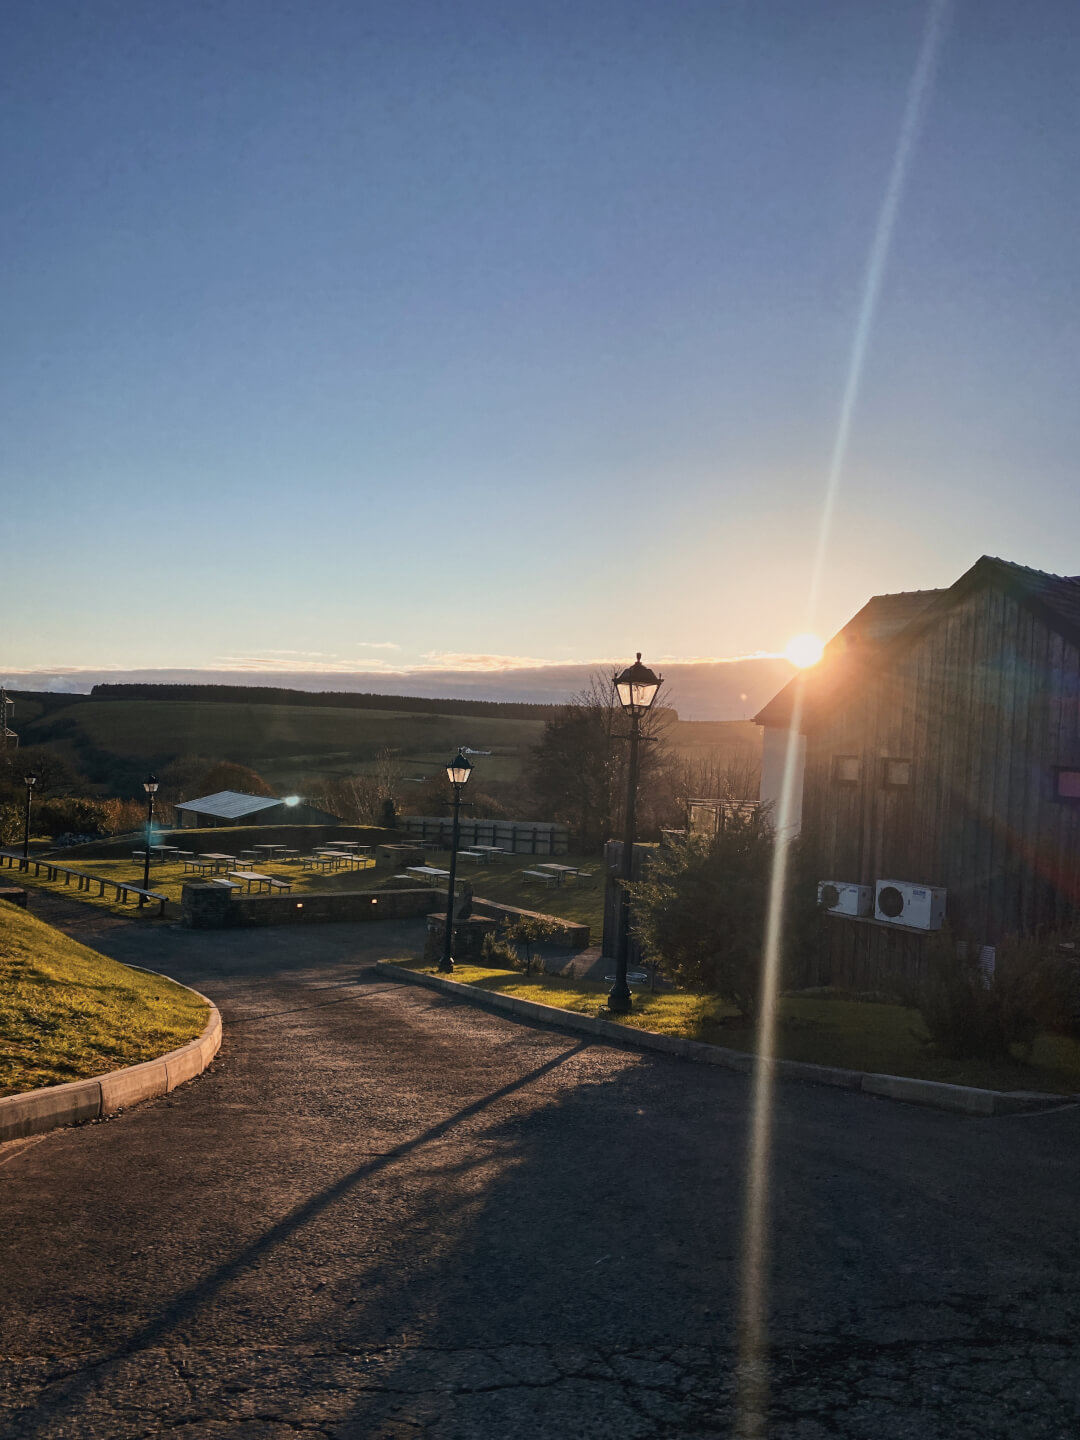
<point>169,880</point>
<point>852,1034</point>
<point>67,1013</point>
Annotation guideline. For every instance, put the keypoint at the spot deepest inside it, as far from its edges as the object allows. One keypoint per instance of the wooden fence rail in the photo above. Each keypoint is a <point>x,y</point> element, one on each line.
<point>12,861</point>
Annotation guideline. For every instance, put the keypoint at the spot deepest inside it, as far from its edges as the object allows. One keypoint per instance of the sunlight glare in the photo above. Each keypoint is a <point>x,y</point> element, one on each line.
<point>804,650</point>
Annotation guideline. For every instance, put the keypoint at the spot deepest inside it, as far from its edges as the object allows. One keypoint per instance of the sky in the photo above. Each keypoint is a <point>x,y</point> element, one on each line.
<point>404,337</point>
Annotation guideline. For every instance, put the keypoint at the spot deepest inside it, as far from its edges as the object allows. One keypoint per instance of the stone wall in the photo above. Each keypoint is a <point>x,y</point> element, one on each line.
<point>209,907</point>
<point>231,839</point>
<point>574,934</point>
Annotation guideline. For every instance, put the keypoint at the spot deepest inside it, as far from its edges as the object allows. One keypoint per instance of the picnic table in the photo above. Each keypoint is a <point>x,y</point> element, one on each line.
<point>493,852</point>
<point>155,857</point>
<point>430,873</point>
<point>201,864</point>
<point>561,872</point>
<point>270,849</point>
<point>221,862</point>
<point>251,877</point>
<point>545,877</point>
<point>165,850</point>
<point>320,862</point>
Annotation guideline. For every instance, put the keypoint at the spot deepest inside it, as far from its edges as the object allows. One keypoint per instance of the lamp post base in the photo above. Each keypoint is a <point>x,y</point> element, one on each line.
<point>446,965</point>
<point>619,1000</point>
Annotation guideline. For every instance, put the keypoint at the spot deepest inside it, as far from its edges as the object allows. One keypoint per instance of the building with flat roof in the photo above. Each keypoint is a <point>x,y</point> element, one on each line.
<point>233,807</point>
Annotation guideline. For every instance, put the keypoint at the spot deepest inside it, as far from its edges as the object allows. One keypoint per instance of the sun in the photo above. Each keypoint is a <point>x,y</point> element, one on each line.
<point>804,650</point>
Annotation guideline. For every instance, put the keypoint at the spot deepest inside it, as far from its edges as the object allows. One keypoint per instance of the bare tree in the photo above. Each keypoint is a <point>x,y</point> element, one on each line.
<point>577,771</point>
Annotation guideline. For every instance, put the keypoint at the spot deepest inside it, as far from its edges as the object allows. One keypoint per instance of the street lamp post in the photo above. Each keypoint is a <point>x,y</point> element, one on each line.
<point>29,781</point>
<point>637,687</point>
<point>150,785</point>
<point>458,772</point>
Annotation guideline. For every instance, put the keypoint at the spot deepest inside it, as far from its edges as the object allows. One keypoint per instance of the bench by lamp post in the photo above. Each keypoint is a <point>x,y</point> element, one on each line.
<point>150,785</point>
<point>29,781</point>
<point>458,772</point>
<point>637,687</point>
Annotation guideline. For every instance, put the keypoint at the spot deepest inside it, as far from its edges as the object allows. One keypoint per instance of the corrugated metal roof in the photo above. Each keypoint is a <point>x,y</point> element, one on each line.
<point>229,804</point>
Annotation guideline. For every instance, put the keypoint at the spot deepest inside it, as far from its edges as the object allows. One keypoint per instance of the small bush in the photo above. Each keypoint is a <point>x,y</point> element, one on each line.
<point>970,1015</point>
<point>498,953</point>
<point>529,930</point>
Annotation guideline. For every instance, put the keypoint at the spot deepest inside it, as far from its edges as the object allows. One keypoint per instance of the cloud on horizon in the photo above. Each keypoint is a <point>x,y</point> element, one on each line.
<point>730,688</point>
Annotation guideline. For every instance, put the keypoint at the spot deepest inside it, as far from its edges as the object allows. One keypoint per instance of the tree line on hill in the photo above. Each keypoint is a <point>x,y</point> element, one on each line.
<point>326,699</point>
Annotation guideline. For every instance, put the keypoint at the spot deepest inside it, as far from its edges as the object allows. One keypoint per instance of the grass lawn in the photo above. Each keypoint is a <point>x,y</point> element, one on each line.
<point>853,1034</point>
<point>502,882</point>
<point>67,1013</point>
<point>169,880</point>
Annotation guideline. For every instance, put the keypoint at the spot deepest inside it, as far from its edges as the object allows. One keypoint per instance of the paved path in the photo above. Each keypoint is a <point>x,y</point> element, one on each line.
<point>384,1214</point>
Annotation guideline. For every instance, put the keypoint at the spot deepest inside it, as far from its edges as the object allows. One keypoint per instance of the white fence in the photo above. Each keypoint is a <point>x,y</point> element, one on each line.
<point>520,837</point>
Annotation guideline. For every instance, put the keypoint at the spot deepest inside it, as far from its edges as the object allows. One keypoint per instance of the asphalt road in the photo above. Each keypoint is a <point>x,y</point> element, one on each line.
<point>385,1214</point>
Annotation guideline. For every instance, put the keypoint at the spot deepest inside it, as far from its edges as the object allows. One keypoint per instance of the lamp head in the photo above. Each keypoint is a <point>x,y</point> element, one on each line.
<point>29,781</point>
<point>637,687</point>
<point>459,769</point>
<point>150,784</point>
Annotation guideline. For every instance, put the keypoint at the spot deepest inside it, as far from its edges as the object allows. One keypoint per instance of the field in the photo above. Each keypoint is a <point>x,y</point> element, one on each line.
<point>67,1012</point>
<point>294,745</point>
<point>288,744</point>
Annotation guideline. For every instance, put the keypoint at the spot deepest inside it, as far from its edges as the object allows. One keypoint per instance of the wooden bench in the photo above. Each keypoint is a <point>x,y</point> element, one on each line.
<point>279,884</point>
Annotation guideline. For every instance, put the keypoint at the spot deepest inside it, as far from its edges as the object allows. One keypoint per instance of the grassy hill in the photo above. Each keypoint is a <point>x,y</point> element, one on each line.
<point>288,744</point>
<point>67,1013</point>
<point>114,741</point>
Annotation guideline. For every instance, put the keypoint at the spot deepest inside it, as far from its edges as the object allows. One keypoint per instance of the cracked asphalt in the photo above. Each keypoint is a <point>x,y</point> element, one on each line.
<point>385,1214</point>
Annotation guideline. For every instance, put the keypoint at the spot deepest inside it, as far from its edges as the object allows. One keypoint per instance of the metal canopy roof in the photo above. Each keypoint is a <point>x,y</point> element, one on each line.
<point>229,804</point>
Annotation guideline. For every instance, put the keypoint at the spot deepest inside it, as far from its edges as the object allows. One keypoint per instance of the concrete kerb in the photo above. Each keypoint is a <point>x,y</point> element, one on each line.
<point>36,1111</point>
<point>962,1099</point>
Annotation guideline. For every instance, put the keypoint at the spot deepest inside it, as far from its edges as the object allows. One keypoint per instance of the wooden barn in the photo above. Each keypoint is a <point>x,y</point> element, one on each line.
<point>939,768</point>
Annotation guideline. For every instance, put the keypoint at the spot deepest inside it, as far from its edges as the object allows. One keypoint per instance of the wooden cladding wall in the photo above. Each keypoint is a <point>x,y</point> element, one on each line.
<point>869,958</point>
<point>984,705</point>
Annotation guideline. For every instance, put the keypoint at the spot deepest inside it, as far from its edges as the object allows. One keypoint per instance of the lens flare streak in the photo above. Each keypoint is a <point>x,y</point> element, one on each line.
<point>752,1370</point>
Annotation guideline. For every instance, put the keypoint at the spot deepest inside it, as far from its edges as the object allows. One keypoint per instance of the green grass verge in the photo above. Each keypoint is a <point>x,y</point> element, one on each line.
<point>852,1034</point>
<point>67,1013</point>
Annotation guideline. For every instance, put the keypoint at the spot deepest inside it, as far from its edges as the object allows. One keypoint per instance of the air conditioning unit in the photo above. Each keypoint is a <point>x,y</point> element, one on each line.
<point>839,897</point>
<point>899,902</point>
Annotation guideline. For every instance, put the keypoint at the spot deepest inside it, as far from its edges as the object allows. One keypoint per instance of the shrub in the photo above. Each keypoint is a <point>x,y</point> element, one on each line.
<point>498,954</point>
<point>970,1014</point>
<point>59,817</point>
<point>528,930</point>
<point>701,909</point>
<point>11,824</point>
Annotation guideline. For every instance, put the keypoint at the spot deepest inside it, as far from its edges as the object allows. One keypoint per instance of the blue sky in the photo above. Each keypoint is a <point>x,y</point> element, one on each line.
<point>382,334</point>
